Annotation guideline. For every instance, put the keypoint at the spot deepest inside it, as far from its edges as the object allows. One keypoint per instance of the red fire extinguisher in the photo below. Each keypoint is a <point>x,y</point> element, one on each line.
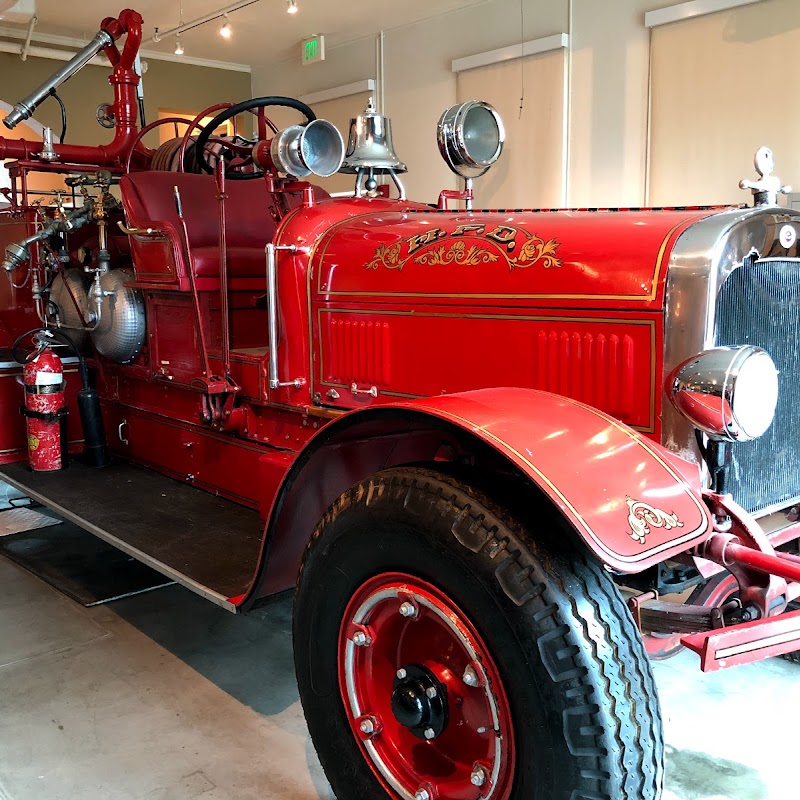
<point>45,411</point>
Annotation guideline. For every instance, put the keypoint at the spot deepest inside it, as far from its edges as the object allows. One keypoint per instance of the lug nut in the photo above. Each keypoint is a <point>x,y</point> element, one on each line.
<point>431,692</point>
<point>367,725</point>
<point>408,609</point>
<point>422,794</point>
<point>360,639</point>
<point>430,733</point>
<point>478,776</point>
<point>401,674</point>
<point>470,677</point>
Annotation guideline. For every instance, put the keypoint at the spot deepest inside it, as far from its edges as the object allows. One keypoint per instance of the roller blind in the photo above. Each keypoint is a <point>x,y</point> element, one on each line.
<point>528,174</point>
<point>722,87</point>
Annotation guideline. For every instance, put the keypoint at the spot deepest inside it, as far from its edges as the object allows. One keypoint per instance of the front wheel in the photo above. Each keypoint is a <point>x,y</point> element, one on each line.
<point>443,653</point>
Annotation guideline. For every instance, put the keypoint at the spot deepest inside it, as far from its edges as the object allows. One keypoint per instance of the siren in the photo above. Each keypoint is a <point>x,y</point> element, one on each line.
<point>301,150</point>
<point>370,151</point>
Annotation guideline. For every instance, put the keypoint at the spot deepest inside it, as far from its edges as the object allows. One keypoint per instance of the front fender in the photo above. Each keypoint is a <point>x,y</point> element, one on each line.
<point>630,500</point>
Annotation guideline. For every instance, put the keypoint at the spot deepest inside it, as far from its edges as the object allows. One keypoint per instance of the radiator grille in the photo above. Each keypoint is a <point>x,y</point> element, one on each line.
<point>759,304</point>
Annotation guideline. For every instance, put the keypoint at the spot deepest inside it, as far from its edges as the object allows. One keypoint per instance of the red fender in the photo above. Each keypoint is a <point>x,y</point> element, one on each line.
<point>631,501</point>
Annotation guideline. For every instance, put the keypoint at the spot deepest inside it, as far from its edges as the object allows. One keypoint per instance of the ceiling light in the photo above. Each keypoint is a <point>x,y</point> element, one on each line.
<point>178,46</point>
<point>226,30</point>
<point>292,6</point>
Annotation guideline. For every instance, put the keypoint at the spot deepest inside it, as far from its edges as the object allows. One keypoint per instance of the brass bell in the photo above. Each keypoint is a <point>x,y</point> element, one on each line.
<point>369,146</point>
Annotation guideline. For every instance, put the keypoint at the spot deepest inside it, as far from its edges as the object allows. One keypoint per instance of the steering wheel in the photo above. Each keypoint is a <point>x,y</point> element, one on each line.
<point>238,108</point>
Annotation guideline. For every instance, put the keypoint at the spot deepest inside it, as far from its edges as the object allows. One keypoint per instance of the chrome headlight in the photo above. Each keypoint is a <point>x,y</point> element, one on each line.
<point>730,393</point>
<point>470,137</point>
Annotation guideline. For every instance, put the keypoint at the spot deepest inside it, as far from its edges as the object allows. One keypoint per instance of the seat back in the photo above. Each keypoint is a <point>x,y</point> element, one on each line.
<point>149,200</point>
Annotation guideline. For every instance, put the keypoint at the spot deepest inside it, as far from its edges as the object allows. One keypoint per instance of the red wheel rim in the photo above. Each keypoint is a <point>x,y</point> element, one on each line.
<point>398,629</point>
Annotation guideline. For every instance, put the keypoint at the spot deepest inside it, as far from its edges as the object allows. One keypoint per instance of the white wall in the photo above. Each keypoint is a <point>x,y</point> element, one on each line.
<point>610,56</point>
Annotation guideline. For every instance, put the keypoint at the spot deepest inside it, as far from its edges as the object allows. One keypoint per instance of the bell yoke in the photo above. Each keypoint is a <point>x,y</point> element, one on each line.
<point>503,456</point>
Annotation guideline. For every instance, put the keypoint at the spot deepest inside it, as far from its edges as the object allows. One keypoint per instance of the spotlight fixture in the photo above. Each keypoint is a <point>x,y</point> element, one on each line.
<point>178,46</point>
<point>226,30</point>
<point>292,6</point>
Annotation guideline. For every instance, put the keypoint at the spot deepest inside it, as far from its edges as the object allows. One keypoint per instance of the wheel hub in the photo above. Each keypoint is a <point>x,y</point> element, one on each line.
<point>422,693</point>
<point>419,701</point>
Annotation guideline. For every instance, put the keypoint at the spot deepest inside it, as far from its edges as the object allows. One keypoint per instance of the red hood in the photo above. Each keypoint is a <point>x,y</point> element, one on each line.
<point>581,259</point>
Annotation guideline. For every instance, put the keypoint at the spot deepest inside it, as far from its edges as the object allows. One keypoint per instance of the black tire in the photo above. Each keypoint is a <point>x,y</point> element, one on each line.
<point>584,706</point>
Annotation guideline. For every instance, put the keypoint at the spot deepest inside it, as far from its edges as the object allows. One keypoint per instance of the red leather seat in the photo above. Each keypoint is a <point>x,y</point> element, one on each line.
<point>149,201</point>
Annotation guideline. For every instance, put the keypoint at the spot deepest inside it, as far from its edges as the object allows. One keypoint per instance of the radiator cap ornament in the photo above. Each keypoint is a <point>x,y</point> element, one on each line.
<point>766,189</point>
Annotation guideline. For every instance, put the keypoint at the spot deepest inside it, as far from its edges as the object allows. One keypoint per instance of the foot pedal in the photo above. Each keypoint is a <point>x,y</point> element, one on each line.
<point>750,641</point>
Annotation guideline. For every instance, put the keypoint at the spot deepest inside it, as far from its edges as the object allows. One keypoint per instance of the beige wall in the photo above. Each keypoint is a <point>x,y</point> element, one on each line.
<point>610,61</point>
<point>609,87</point>
<point>166,85</point>
<point>419,82</point>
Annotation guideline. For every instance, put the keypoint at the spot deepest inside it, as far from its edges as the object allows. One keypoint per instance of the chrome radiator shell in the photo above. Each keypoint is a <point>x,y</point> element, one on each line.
<point>702,261</point>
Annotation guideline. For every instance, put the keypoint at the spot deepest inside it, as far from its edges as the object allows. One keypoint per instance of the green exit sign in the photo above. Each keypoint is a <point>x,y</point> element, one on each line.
<point>313,49</point>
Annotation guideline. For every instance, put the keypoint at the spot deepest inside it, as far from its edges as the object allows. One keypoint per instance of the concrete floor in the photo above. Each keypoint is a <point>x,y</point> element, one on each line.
<point>164,696</point>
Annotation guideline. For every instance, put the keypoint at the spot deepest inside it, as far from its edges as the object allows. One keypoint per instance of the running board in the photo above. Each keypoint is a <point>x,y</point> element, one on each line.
<point>203,542</point>
<point>750,641</point>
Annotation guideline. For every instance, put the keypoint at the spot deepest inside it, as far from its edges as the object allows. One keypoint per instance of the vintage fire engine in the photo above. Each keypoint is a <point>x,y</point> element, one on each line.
<point>502,455</point>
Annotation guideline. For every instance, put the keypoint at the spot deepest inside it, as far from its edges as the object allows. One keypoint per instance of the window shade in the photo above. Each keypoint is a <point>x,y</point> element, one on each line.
<point>721,88</point>
<point>528,173</point>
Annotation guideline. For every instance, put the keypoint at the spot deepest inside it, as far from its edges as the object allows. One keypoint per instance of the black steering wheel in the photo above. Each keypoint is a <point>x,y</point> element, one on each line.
<point>229,113</point>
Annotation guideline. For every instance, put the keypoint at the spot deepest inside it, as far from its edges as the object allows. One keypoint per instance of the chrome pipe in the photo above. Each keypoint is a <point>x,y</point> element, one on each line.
<point>399,184</point>
<point>18,254</point>
<point>25,108</point>
<point>272,313</point>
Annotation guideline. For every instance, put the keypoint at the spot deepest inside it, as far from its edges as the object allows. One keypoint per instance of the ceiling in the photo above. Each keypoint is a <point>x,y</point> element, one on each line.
<point>263,33</point>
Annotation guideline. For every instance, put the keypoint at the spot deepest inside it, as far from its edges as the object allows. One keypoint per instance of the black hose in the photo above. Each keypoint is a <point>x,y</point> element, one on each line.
<point>63,116</point>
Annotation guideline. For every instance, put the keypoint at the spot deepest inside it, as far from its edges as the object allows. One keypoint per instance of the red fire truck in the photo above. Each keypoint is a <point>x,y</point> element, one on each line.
<point>499,455</point>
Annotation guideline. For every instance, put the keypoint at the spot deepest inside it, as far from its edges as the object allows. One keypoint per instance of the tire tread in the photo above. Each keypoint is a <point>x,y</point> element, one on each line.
<point>618,743</point>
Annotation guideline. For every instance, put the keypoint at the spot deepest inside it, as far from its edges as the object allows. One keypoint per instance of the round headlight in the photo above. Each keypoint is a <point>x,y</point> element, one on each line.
<point>470,137</point>
<point>728,392</point>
